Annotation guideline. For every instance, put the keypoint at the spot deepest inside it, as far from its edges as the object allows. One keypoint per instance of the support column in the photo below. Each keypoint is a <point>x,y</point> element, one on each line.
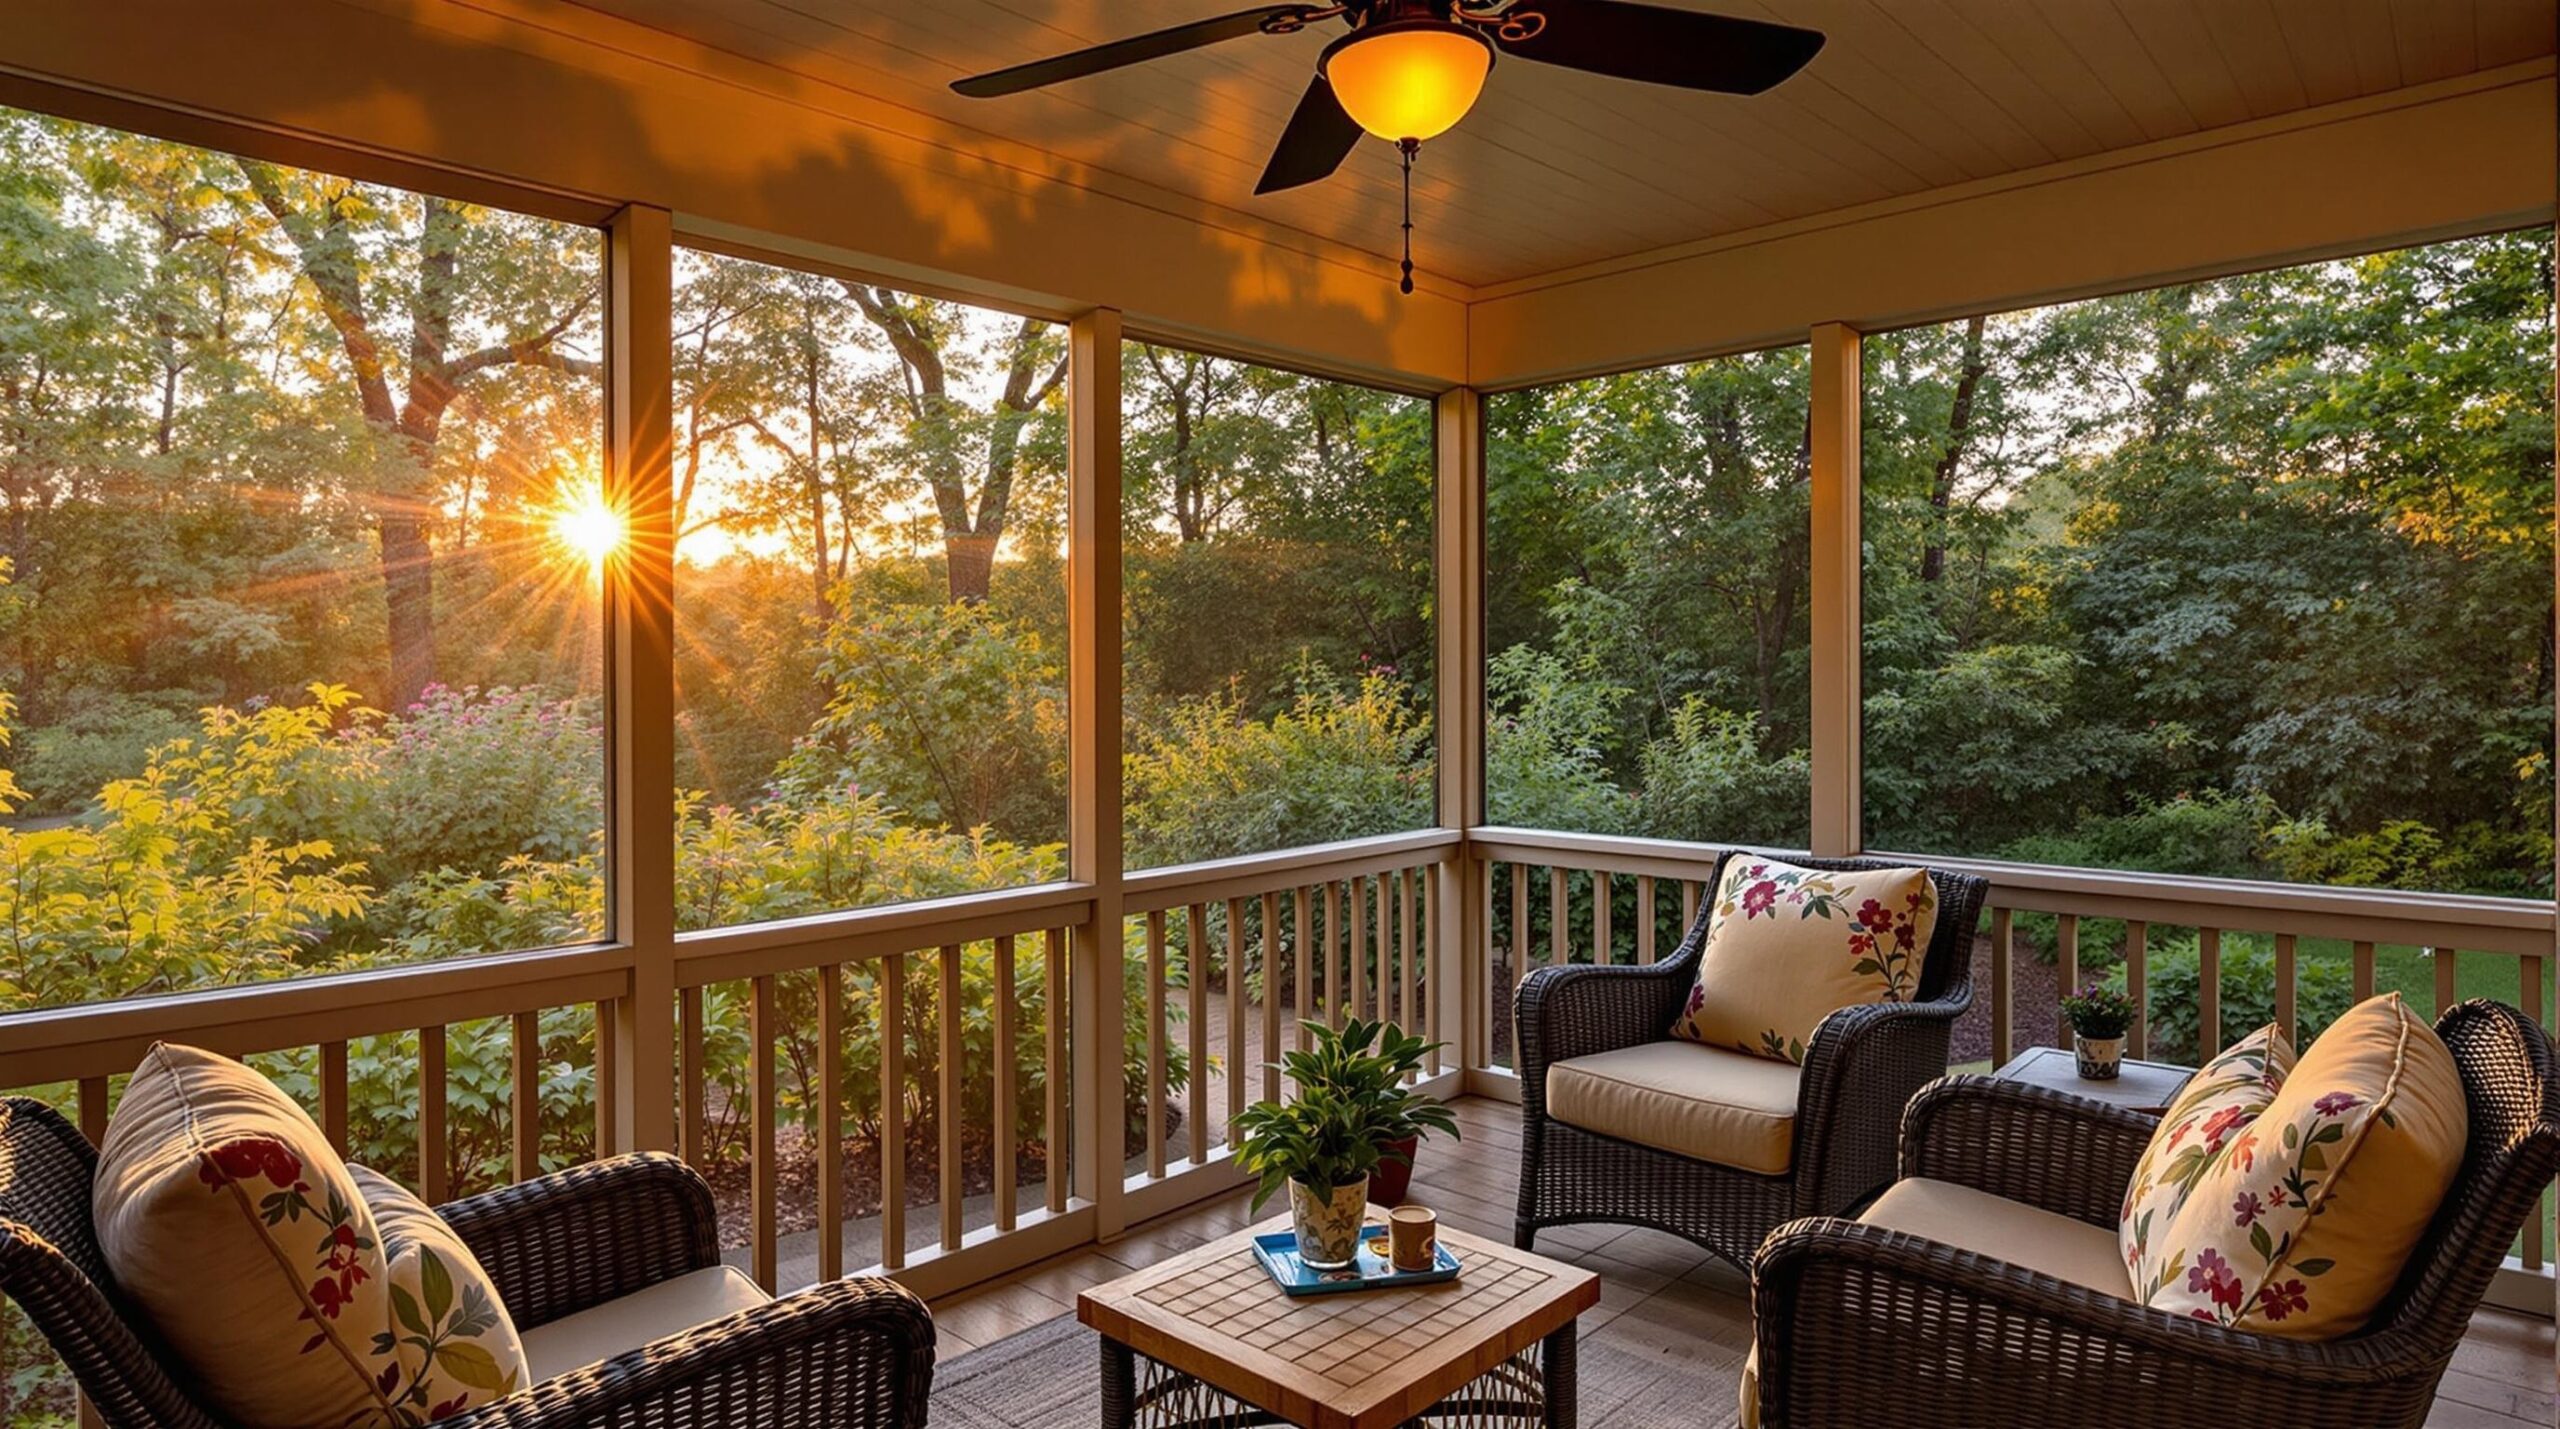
<point>1839,827</point>
<point>1095,993</point>
<point>640,670</point>
<point>1460,981</point>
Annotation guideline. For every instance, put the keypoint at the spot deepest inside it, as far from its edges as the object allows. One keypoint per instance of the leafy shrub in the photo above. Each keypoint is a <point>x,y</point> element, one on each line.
<point>1708,781</point>
<point>2323,991</point>
<point>1546,745</point>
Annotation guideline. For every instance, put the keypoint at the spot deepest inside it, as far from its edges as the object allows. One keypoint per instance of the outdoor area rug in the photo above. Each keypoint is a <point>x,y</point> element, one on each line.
<point>1047,1378</point>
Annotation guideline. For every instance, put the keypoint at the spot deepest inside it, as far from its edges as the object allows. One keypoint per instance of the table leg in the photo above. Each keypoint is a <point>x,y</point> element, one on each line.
<point>1119,1385</point>
<point>1561,1350</point>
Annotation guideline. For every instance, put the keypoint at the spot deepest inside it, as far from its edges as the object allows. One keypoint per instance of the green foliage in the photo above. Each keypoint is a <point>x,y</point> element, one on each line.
<point>1708,775</point>
<point>2323,991</point>
<point>1212,782</point>
<point>1349,1103</point>
<point>2098,1011</point>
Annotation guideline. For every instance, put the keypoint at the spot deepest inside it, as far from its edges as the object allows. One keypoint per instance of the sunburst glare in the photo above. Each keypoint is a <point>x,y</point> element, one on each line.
<point>584,525</point>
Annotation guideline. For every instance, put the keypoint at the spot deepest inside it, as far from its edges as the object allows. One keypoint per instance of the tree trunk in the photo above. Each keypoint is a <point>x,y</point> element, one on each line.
<point>1942,483</point>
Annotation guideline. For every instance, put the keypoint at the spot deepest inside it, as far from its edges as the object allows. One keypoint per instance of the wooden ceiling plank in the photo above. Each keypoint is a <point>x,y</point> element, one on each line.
<point>2512,31</point>
<point>2318,37</point>
<point>2096,31</point>
<point>1965,49</point>
<point>2053,66</point>
<point>2434,38</point>
<point>2175,37</point>
<point>1913,52</point>
<point>2252,44</point>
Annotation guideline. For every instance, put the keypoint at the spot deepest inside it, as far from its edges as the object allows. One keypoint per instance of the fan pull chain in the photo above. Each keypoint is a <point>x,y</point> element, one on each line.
<point>1409,148</point>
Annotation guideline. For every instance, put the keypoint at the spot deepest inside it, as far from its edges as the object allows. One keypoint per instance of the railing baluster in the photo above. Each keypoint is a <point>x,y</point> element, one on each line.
<point>1008,1068</point>
<point>1239,1044</point>
<point>2208,993</point>
<point>946,1095</point>
<point>2288,1013</point>
<point>892,1002</point>
<point>763,1030</point>
<point>692,1126</point>
<point>333,1099</point>
<point>2137,953</point>
<point>2003,1034</point>
<point>830,1118</point>
<point>1646,910</point>
<point>1302,968</point>
<point>2448,984</point>
<point>1517,964</point>
<point>2066,963</point>
<point>1559,907</point>
<point>1688,906</point>
<point>608,1090</point>
<point>1333,1004</point>
<point>1271,958</point>
<point>1357,985</point>
<point>1405,950</point>
<point>93,1110</point>
<point>2363,975</point>
<point>432,1153</point>
<point>1053,1119</point>
<point>524,1051</point>
<point>1155,1043</point>
<point>1427,981</point>
<point>1603,949</point>
<point>1195,973</point>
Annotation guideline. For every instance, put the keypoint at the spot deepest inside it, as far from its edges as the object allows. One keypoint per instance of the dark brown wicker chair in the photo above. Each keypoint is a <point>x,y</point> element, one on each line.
<point>1861,1326</point>
<point>1861,1067</point>
<point>849,1352</point>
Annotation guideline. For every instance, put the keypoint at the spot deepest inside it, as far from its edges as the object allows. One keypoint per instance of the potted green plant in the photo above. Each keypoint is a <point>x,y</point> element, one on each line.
<point>1372,1060</point>
<point>2099,1016</point>
<point>1337,1127</point>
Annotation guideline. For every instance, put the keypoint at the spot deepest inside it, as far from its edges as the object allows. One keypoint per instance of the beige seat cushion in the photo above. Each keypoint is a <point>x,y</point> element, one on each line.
<point>1701,1102</point>
<point>226,1216</point>
<point>1786,947</point>
<point>1978,1221</point>
<point>2299,1224</point>
<point>669,1307</point>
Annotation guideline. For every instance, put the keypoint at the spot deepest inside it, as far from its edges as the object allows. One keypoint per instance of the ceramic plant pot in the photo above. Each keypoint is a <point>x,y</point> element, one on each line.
<point>1328,1222</point>
<point>2101,1058</point>
<point>1393,1180</point>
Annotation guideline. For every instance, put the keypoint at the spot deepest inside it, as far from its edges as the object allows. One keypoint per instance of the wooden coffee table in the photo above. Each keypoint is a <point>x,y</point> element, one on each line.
<point>1206,1339</point>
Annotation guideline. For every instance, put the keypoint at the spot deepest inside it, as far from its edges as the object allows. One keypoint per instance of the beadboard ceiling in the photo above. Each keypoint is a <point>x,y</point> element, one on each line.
<point>1556,169</point>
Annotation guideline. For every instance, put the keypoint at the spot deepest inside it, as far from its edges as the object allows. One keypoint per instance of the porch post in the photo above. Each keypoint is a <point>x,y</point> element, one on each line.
<point>1093,759</point>
<point>640,672</point>
<point>1459,981</point>
<point>1838,824</point>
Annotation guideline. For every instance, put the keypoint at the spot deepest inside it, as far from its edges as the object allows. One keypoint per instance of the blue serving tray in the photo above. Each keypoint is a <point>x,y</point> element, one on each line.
<point>1278,1253</point>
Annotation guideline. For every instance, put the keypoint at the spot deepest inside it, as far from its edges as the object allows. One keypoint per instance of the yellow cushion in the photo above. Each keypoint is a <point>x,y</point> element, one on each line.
<point>669,1307</point>
<point>228,1219</point>
<point>2217,1103</point>
<point>1990,1225</point>
<point>2302,1220</point>
<point>1704,1103</point>
<point>451,1336</point>
<point>1788,946</point>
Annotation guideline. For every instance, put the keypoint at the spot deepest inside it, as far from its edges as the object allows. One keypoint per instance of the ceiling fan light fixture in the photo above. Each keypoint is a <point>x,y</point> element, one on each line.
<point>1408,79</point>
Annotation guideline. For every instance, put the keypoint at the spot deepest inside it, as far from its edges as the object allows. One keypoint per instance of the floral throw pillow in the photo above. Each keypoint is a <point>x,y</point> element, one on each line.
<point>2302,1222</point>
<point>451,1344</point>
<point>2204,1123</point>
<point>229,1219</point>
<point>1787,946</point>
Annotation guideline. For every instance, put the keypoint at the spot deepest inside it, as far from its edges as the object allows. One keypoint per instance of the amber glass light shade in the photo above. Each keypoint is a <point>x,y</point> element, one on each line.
<point>1408,81</point>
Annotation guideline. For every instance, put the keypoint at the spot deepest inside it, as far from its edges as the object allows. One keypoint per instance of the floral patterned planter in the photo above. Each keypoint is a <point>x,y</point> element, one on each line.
<point>1328,1222</point>
<point>2100,1058</point>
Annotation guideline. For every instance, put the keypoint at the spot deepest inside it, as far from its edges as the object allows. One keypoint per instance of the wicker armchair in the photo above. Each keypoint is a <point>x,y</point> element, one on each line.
<point>849,1352</point>
<point>1858,1325</point>
<point>1862,1066</point>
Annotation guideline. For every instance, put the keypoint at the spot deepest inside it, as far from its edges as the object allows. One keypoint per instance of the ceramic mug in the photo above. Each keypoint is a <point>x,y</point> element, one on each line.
<point>1413,1235</point>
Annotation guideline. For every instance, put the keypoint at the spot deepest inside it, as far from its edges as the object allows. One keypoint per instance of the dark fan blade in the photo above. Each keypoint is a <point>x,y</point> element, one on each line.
<point>1664,46</point>
<point>1137,49</point>
<point>1319,137</point>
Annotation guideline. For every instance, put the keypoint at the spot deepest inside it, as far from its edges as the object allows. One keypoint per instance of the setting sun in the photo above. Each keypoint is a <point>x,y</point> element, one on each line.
<point>586,525</point>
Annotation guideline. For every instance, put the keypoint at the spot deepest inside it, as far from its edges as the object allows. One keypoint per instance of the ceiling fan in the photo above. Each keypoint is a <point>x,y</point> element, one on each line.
<point>1410,69</point>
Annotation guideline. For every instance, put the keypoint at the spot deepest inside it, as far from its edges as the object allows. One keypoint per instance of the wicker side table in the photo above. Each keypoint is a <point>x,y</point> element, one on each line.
<point>2146,1087</point>
<point>1206,1341</point>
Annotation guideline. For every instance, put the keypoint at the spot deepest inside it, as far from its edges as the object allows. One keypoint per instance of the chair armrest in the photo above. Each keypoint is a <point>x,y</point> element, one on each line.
<point>1857,1326</point>
<point>1861,1070</point>
<point>845,1352</point>
<point>572,1240</point>
<point>2049,1149</point>
<point>1573,1011</point>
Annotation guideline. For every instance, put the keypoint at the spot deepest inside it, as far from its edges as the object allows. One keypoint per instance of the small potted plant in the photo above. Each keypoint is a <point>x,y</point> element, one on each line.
<point>1324,1142</point>
<point>2099,1016</point>
<point>1370,1061</point>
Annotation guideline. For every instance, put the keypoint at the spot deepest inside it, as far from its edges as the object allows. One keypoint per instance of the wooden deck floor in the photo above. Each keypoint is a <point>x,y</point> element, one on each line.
<point>2502,1378</point>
